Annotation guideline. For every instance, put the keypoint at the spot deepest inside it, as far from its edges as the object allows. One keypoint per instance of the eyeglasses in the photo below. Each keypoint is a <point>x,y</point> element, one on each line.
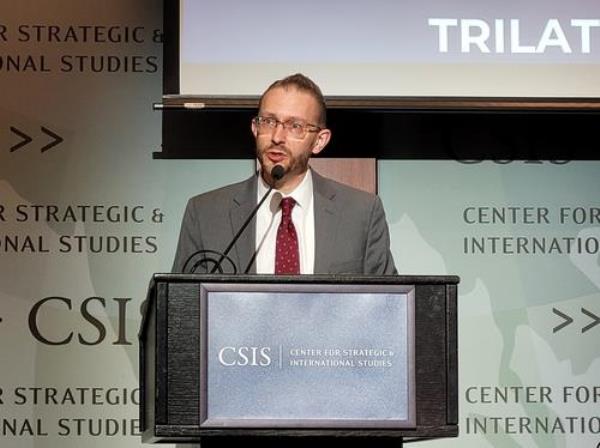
<point>296,129</point>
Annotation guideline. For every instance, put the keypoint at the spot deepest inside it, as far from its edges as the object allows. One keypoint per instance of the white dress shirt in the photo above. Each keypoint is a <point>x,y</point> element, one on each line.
<point>269,217</point>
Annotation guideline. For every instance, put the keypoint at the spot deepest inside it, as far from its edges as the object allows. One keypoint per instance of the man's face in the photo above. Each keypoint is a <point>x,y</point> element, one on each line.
<point>277,146</point>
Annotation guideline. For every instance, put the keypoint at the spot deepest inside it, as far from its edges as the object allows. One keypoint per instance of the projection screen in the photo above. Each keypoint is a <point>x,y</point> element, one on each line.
<point>393,48</point>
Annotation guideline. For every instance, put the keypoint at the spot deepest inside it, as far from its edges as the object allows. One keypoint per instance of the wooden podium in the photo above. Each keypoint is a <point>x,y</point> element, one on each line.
<point>183,400</point>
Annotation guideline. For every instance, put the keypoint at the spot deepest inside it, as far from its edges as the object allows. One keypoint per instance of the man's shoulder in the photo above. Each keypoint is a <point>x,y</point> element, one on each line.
<point>339,191</point>
<point>226,193</point>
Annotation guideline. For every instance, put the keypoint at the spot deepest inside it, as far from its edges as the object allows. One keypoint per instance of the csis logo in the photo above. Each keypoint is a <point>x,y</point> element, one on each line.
<point>245,356</point>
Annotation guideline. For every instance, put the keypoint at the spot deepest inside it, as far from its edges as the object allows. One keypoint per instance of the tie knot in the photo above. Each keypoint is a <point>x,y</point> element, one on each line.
<point>287,204</point>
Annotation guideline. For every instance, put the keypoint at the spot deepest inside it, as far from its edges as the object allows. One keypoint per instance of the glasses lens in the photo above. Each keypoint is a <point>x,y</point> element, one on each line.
<point>295,128</point>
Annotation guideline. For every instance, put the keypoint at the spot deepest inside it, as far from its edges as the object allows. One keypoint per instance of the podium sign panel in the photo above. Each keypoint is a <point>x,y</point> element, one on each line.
<point>307,356</point>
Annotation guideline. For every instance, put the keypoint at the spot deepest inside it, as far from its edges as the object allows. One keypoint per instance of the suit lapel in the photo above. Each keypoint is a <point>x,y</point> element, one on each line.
<point>326,223</point>
<point>243,203</point>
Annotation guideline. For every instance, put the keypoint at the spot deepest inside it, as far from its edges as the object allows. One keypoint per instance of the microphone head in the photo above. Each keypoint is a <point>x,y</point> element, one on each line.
<point>277,172</point>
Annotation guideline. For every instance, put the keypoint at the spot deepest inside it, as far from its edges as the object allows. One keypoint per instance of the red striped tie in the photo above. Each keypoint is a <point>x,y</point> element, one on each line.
<point>287,258</point>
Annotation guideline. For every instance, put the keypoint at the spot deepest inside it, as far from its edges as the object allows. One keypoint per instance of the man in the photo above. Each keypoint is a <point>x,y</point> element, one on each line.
<point>308,224</point>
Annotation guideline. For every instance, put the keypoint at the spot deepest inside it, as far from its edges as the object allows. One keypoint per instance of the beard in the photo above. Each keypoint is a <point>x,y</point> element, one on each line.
<point>293,165</point>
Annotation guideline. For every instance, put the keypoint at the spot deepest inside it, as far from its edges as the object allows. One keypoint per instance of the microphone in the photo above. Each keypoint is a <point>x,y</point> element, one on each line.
<point>277,173</point>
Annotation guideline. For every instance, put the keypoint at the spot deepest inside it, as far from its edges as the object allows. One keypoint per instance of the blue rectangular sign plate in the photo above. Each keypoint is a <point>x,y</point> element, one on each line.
<point>307,356</point>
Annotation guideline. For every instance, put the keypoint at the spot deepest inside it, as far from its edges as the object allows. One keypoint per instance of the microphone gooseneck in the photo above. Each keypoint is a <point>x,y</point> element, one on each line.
<point>277,173</point>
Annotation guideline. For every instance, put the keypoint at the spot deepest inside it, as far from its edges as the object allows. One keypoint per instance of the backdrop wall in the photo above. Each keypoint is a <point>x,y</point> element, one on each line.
<point>86,216</point>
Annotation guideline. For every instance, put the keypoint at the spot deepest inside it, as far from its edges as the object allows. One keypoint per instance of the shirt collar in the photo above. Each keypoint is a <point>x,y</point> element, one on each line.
<point>302,194</point>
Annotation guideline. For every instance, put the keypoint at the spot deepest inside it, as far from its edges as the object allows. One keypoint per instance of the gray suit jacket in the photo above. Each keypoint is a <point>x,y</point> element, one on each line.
<point>351,233</point>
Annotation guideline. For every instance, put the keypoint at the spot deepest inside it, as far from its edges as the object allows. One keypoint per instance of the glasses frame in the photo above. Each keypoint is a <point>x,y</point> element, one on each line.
<point>262,124</point>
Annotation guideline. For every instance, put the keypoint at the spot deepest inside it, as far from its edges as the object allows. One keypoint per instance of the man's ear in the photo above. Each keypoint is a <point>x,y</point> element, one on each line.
<point>254,129</point>
<point>321,141</point>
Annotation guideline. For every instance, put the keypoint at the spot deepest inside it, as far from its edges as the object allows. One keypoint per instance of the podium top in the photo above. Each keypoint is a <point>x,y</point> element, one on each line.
<point>316,278</point>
